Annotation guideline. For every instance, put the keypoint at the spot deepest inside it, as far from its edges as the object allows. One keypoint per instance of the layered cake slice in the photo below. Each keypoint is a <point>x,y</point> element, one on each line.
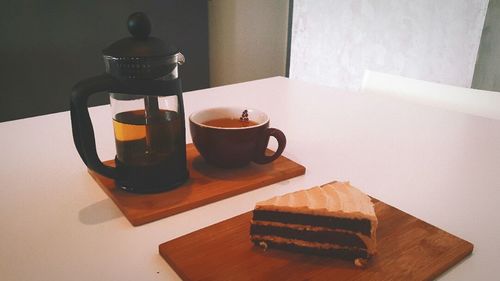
<point>334,219</point>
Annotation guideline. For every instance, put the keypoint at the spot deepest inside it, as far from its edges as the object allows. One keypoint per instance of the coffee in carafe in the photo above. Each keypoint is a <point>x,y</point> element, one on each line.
<point>154,145</point>
<point>147,143</point>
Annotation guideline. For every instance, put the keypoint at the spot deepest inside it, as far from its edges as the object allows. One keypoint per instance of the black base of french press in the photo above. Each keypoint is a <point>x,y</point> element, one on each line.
<point>148,189</point>
<point>151,178</point>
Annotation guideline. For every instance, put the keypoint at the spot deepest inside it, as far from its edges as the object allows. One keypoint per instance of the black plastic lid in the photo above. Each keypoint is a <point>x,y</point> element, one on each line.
<point>140,45</point>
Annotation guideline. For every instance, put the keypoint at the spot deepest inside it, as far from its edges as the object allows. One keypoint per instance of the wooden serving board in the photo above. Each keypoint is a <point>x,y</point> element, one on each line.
<point>408,249</point>
<point>206,184</point>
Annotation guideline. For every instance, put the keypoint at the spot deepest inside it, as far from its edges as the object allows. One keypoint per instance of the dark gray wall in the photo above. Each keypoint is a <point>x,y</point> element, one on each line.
<point>487,71</point>
<point>48,46</point>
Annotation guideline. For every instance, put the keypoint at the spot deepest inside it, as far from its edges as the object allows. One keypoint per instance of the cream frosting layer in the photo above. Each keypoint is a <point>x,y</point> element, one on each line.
<point>338,199</point>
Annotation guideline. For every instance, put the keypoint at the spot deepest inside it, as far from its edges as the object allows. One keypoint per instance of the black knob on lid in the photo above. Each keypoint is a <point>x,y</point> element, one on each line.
<point>140,45</point>
<point>139,25</point>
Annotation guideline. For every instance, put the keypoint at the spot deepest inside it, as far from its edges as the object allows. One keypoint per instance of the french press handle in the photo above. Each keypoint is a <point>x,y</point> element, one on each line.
<point>83,132</point>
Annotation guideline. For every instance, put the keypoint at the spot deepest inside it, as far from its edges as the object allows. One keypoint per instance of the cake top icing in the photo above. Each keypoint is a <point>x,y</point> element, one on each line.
<point>338,199</point>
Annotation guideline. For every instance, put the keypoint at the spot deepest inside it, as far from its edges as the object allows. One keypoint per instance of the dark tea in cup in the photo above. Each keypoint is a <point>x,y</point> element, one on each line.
<point>230,123</point>
<point>231,137</point>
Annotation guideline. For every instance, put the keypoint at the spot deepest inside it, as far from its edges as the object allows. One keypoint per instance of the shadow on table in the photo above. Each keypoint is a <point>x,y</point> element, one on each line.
<point>99,212</point>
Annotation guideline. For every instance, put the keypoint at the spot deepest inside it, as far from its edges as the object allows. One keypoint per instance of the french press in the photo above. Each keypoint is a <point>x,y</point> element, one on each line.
<point>147,108</point>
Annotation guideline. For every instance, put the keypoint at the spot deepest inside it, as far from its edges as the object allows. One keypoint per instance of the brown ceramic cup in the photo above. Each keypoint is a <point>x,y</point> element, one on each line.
<point>232,147</point>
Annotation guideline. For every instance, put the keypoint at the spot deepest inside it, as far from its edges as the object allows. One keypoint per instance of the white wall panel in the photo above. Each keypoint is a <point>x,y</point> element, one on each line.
<point>334,41</point>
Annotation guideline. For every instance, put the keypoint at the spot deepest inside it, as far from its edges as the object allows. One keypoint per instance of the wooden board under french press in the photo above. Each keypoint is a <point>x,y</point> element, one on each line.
<point>407,249</point>
<point>206,184</point>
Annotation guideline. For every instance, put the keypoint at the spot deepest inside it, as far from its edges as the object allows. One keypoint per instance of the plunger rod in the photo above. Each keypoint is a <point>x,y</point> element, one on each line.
<point>152,112</point>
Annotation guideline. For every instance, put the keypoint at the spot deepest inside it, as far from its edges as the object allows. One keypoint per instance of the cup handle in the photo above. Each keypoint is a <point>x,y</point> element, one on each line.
<point>262,158</point>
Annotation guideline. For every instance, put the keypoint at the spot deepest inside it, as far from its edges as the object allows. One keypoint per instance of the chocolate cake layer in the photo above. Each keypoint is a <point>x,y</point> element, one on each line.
<point>331,237</point>
<point>355,225</point>
<point>347,254</point>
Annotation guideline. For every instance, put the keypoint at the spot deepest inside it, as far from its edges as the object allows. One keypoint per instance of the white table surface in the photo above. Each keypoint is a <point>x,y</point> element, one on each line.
<point>440,166</point>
